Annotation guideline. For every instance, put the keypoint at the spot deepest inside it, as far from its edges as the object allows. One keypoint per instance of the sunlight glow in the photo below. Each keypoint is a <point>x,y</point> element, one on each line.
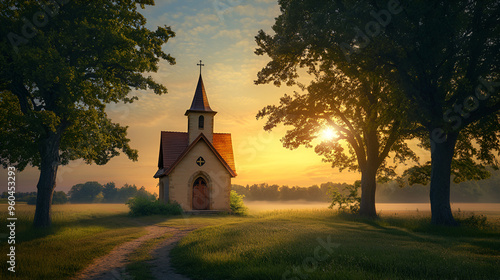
<point>328,134</point>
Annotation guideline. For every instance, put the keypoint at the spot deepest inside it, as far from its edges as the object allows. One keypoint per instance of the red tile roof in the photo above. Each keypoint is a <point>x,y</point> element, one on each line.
<point>223,144</point>
<point>174,146</point>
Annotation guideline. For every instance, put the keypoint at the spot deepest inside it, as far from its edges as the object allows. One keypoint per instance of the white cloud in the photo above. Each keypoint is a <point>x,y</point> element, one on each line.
<point>228,34</point>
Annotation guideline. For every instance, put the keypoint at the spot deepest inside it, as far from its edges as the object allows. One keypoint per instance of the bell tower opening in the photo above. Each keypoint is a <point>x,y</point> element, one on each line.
<point>201,122</point>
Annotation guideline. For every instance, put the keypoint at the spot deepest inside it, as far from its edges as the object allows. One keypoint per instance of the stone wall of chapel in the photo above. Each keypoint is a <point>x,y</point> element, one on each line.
<point>217,176</point>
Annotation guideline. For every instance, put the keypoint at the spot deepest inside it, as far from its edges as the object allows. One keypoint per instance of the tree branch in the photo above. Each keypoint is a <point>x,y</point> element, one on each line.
<point>18,89</point>
<point>358,140</point>
<point>480,114</point>
<point>350,137</point>
<point>393,137</point>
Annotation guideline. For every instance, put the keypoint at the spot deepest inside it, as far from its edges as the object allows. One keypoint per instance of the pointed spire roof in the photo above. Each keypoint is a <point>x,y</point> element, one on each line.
<point>200,100</point>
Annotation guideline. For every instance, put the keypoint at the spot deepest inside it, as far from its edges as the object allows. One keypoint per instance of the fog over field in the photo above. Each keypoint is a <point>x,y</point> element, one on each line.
<point>259,206</point>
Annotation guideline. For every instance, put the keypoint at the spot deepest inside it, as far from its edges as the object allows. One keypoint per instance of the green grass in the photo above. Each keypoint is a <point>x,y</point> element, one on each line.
<point>283,245</point>
<point>140,269</point>
<point>270,245</point>
<point>190,221</point>
<point>80,233</point>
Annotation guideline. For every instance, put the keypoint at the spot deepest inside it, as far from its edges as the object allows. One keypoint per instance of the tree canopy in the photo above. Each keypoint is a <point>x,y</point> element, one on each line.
<point>62,62</point>
<point>443,57</point>
<point>364,112</point>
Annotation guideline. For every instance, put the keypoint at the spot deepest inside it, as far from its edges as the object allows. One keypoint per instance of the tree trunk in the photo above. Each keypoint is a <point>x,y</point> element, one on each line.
<point>368,187</point>
<point>49,153</point>
<point>441,157</point>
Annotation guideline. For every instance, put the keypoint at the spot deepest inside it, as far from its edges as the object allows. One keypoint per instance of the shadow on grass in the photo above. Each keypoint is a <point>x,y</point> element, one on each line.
<point>383,248</point>
<point>470,225</point>
<point>27,232</point>
<point>481,234</point>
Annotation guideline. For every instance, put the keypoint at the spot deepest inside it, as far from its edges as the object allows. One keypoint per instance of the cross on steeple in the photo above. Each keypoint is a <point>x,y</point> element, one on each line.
<point>200,64</point>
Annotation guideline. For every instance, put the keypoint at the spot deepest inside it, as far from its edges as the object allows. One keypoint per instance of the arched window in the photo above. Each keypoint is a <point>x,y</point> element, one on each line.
<point>201,122</point>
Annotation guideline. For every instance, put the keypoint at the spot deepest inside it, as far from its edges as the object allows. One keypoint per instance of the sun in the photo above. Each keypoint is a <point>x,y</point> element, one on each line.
<point>328,134</point>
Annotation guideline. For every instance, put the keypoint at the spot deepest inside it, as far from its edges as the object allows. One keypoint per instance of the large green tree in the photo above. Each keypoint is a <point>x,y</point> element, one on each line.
<point>364,112</point>
<point>61,62</point>
<point>443,56</point>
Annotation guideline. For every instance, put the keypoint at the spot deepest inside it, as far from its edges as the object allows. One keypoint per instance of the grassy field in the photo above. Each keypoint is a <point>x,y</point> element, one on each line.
<point>284,244</point>
<point>80,233</point>
<point>316,244</point>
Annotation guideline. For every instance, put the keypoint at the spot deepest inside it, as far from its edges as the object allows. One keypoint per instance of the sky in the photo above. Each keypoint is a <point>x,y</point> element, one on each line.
<point>221,34</point>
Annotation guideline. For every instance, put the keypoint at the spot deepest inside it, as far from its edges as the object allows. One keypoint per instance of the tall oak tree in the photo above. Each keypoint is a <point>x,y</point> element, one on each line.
<point>443,56</point>
<point>61,63</point>
<point>364,112</point>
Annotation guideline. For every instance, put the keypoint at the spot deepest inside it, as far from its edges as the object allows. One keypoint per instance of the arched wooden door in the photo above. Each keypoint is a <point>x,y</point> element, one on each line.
<point>200,194</point>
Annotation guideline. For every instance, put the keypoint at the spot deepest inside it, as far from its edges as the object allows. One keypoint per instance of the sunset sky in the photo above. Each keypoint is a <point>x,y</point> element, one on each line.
<point>221,33</point>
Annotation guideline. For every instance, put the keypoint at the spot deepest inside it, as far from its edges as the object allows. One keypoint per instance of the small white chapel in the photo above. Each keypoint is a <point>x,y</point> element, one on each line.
<point>195,167</point>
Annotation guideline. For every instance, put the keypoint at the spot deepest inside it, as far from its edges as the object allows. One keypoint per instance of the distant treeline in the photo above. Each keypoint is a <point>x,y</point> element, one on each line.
<point>89,192</point>
<point>274,192</point>
<point>460,193</point>
<point>59,197</point>
<point>93,192</point>
<point>485,191</point>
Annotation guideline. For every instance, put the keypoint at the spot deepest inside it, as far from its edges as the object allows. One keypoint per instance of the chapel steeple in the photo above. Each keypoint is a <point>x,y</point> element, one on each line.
<point>200,115</point>
<point>200,100</point>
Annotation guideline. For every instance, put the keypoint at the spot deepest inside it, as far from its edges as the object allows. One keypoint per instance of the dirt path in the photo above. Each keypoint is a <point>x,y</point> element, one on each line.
<point>161,267</point>
<point>112,266</point>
